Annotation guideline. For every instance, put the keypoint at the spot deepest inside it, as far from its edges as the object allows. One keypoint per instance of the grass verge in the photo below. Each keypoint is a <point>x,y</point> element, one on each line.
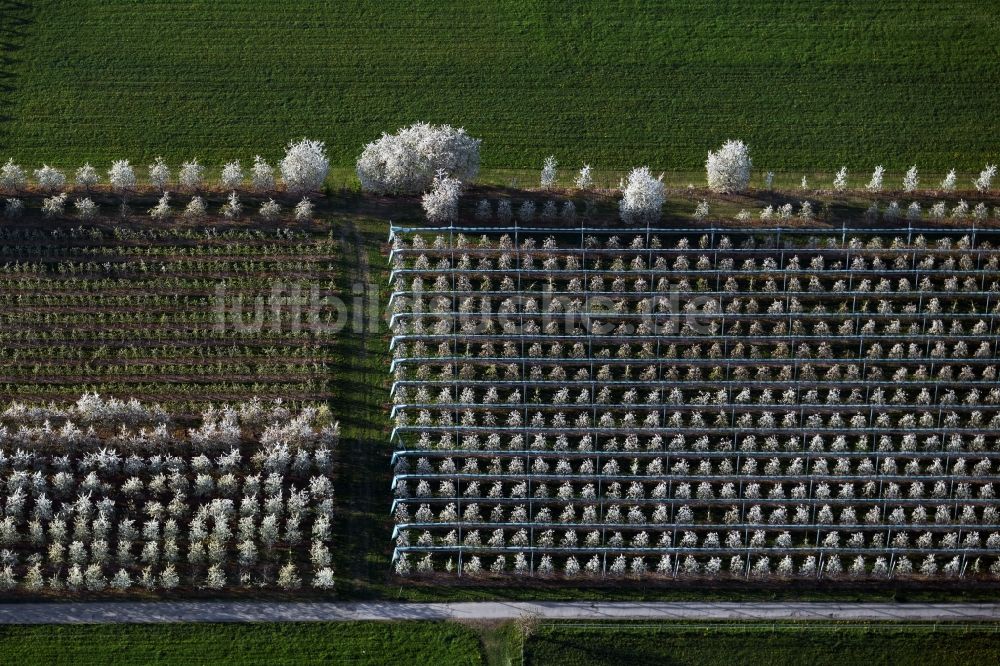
<point>372,643</point>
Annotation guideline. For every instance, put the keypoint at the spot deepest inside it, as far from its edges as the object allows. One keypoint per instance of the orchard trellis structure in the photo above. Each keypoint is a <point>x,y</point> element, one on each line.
<point>742,402</point>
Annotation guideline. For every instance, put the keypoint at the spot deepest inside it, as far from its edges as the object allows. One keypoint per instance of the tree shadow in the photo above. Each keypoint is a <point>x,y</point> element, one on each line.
<point>16,19</point>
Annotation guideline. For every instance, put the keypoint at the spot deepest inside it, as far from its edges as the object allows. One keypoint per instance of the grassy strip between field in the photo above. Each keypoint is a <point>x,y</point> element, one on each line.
<point>762,643</point>
<point>364,473</point>
<point>340,643</point>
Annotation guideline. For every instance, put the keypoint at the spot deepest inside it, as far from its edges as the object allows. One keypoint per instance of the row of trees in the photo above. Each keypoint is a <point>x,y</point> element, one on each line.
<point>668,566</point>
<point>885,242</point>
<point>728,170</point>
<point>768,441</point>
<point>737,538</point>
<point>643,197</point>
<point>435,160</point>
<point>91,409</point>
<point>813,491</point>
<point>86,209</point>
<point>425,158</point>
<point>303,169</point>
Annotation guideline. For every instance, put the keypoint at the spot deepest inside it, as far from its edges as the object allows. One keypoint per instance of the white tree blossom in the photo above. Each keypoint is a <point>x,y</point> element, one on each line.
<point>95,578</point>
<point>121,581</point>
<point>304,210</point>
<point>407,162</point>
<point>262,175</point>
<point>232,209</point>
<point>875,184</point>
<point>911,180</point>
<point>159,174</point>
<point>304,167</point>
<point>840,180</point>
<point>474,566</point>
<point>216,578</point>
<point>50,179</point>
<point>980,213</point>
<point>231,177</point>
<point>191,175</point>
<point>949,182</point>
<point>729,167</point>
<point>584,180</point>
<point>75,580</point>
<point>196,209</point>
<point>548,178</point>
<point>12,176</point>
<point>324,579</point>
<point>701,211</point>
<point>270,210</point>
<point>86,209</point>
<point>288,577</point>
<point>441,203</point>
<point>162,211</point>
<point>54,206</point>
<point>985,180</point>
<point>960,211</point>
<point>121,176</point>
<point>642,197</point>
<point>169,578</point>
<point>86,176</point>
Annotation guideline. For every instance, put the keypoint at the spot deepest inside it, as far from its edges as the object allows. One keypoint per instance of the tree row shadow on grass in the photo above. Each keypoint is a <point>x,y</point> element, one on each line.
<point>15,29</point>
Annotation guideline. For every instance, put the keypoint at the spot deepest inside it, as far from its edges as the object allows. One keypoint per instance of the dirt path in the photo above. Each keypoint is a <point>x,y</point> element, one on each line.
<point>248,611</point>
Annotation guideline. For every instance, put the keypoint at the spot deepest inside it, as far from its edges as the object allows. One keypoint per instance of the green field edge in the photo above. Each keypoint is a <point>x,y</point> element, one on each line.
<point>527,640</point>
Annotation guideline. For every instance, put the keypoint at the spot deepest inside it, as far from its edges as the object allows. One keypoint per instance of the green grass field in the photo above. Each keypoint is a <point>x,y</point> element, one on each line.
<point>773,645</point>
<point>343,643</point>
<point>809,85</point>
<point>446,643</point>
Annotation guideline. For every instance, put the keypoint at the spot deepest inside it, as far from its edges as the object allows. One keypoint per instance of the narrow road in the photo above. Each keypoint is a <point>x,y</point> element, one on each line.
<point>248,611</point>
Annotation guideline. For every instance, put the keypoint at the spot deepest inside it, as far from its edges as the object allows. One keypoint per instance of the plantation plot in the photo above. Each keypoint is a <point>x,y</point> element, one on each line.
<point>173,314</point>
<point>720,403</point>
<point>113,495</point>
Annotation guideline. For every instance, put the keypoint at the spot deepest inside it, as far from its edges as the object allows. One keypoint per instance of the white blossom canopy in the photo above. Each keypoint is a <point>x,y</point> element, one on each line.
<point>407,161</point>
<point>728,168</point>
